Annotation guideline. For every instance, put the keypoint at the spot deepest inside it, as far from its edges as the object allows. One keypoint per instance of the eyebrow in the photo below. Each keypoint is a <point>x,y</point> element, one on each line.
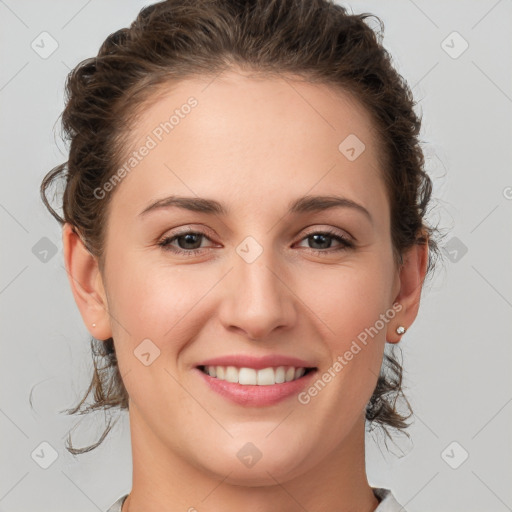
<point>212,207</point>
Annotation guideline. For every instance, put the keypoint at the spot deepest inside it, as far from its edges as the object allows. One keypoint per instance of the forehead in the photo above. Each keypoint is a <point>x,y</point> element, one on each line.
<point>238,137</point>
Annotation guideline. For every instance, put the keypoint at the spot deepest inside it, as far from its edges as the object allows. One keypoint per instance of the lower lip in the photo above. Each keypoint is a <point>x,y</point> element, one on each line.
<point>257,396</point>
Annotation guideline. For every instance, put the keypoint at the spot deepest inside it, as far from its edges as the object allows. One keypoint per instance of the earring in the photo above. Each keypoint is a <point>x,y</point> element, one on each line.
<point>400,329</point>
<point>94,325</point>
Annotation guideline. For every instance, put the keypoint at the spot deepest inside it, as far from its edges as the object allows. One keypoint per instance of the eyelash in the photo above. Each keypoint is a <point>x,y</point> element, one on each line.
<point>345,243</point>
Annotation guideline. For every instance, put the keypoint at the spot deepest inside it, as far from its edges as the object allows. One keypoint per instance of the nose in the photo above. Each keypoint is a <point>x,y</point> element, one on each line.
<point>258,299</point>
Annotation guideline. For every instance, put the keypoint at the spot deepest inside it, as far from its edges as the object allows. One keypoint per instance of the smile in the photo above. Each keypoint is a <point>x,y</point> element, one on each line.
<point>252,377</point>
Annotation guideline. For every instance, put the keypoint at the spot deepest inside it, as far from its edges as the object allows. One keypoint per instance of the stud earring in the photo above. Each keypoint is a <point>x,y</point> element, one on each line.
<point>94,325</point>
<point>400,329</point>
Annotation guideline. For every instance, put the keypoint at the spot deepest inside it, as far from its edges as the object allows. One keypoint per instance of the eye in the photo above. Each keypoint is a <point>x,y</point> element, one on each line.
<point>324,240</point>
<point>189,243</point>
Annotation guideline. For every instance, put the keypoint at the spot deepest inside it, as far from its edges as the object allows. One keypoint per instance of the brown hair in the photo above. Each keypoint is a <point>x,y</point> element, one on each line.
<point>316,40</point>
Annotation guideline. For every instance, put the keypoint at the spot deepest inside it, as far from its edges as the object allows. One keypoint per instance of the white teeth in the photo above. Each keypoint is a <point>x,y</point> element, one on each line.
<point>290,374</point>
<point>250,376</point>
<point>280,375</point>
<point>266,377</point>
<point>247,376</point>
<point>231,374</point>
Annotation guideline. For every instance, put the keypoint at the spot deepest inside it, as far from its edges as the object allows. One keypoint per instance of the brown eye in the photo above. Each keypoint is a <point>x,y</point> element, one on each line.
<point>323,242</point>
<point>189,243</point>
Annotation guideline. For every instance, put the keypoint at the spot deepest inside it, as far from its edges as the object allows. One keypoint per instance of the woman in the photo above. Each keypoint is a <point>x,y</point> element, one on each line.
<point>244,230</point>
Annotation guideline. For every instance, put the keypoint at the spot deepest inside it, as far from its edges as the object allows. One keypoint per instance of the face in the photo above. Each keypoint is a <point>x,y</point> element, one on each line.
<point>256,280</point>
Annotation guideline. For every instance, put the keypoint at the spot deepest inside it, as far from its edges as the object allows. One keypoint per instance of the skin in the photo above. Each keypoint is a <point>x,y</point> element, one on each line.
<point>254,144</point>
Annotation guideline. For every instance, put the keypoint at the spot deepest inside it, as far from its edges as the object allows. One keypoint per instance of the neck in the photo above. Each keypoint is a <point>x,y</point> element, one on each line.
<point>164,480</point>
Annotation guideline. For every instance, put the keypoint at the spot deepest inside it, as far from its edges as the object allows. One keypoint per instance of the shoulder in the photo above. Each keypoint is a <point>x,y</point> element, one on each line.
<point>388,502</point>
<point>116,507</point>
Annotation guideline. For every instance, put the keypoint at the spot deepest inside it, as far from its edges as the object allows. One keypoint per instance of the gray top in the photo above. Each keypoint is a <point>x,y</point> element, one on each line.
<point>116,507</point>
<point>387,503</point>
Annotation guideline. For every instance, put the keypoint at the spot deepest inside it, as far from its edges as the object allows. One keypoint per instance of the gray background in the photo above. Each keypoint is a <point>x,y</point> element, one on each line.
<point>456,355</point>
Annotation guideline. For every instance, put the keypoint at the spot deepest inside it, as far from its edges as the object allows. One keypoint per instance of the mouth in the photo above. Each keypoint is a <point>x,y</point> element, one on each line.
<point>256,377</point>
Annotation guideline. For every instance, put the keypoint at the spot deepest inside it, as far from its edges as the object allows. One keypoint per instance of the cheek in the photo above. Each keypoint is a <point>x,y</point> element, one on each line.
<point>348,298</point>
<point>352,312</point>
<point>151,300</point>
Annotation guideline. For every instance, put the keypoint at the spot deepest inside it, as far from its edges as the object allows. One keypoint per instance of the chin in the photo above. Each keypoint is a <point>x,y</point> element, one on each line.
<point>265,468</point>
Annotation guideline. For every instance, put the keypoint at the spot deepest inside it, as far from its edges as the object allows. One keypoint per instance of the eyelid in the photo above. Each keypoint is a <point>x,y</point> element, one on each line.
<point>344,242</point>
<point>208,233</point>
<point>164,241</point>
<point>331,230</point>
<point>186,229</point>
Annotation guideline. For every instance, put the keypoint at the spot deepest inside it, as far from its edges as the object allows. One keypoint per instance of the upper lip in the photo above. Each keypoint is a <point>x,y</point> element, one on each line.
<point>246,361</point>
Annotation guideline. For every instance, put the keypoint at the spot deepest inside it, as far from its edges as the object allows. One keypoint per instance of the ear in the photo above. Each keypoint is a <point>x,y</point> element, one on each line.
<point>411,277</point>
<point>86,284</point>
